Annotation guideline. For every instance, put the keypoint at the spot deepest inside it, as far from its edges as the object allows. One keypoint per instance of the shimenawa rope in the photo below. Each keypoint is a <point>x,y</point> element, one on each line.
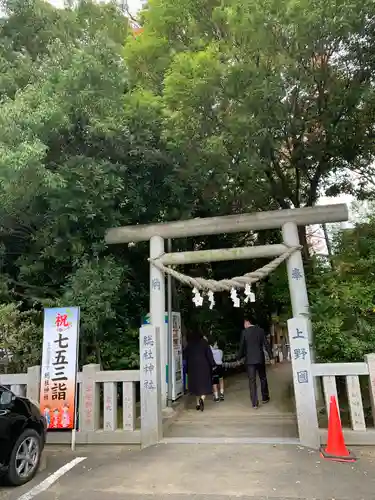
<point>226,284</point>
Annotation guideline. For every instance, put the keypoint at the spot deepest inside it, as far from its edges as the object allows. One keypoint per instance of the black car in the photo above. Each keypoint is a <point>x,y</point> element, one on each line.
<point>22,437</point>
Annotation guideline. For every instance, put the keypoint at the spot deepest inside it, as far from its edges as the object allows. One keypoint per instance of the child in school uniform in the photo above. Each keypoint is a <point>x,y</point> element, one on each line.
<point>217,372</point>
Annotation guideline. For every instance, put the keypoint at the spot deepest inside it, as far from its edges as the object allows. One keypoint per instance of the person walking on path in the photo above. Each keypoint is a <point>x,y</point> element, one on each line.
<point>199,364</point>
<point>217,372</point>
<point>253,343</point>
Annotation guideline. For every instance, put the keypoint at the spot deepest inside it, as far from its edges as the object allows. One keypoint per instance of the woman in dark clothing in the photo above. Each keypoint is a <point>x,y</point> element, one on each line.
<point>199,361</point>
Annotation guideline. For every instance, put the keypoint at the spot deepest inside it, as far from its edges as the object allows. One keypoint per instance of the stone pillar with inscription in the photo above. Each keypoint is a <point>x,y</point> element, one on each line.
<point>298,288</point>
<point>303,382</point>
<point>370,360</point>
<point>89,417</point>
<point>151,410</point>
<point>128,406</point>
<point>157,311</point>
<point>110,406</point>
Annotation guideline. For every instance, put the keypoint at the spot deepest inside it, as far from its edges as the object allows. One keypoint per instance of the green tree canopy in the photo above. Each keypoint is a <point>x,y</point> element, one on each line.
<point>274,98</point>
<point>78,154</point>
<point>343,298</point>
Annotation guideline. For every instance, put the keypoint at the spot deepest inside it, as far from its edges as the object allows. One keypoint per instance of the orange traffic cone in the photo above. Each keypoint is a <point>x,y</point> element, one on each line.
<point>336,449</point>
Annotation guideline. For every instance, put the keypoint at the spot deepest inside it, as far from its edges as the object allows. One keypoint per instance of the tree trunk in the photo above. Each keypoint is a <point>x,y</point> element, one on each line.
<point>97,351</point>
<point>329,247</point>
<point>83,349</point>
<point>303,241</point>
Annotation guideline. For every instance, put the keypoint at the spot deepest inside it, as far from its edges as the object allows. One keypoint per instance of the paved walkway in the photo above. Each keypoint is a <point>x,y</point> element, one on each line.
<point>211,472</point>
<point>234,418</point>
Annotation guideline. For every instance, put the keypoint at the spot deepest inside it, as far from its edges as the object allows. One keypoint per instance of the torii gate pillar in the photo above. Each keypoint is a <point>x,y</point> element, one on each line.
<point>157,310</point>
<point>306,388</point>
<point>296,275</point>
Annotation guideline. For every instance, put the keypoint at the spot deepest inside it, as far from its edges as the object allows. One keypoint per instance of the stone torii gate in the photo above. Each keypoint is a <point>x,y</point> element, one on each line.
<point>153,337</point>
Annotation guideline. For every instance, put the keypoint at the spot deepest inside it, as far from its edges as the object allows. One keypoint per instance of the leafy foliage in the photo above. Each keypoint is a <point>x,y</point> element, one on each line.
<point>343,299</point>
<point>20,336</point>
<point>72,165</point>
<point>273,95</point>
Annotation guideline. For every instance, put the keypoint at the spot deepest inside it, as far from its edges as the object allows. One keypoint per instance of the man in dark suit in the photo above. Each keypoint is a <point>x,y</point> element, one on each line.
<point>253,343</point>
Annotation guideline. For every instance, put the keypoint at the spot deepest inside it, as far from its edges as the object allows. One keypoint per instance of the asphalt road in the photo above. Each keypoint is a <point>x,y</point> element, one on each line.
<point>199,472</point>
<point>57,457</point>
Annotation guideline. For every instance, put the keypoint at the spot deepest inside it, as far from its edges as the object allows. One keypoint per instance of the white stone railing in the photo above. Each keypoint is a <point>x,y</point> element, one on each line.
<point>358,433</point>
<point>101,419</point>
<point>108,411</point>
